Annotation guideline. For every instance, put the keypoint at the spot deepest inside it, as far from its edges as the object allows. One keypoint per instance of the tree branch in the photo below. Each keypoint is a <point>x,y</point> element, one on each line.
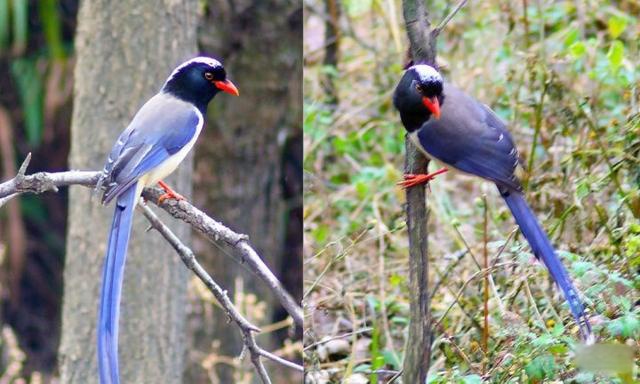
<point>447,19</point>
<point>245,326</point>
<point>417,357</point>
<point>422,43</point>
<point>217,232</point>
<point>212,229</point>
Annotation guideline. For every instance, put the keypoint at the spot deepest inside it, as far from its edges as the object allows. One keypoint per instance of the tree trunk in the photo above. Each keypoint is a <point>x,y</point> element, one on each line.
<point>417,359</point>
<point>125,51</point>
<point>238,165</point>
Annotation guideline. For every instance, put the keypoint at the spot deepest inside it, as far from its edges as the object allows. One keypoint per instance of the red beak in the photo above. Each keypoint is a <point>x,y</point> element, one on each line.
<point>227,86</point>
<point>432,105</point>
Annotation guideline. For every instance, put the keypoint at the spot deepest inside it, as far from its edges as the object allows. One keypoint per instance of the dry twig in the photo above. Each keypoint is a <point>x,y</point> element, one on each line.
<point>212,229</point>
<point>247,329</point>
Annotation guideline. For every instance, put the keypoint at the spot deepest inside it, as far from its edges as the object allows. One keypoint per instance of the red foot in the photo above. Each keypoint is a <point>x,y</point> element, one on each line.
<point>169,193</point>
<point>411,180</point>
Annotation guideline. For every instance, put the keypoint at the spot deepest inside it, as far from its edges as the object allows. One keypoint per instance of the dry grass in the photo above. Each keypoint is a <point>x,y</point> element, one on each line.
<point>583,183</point>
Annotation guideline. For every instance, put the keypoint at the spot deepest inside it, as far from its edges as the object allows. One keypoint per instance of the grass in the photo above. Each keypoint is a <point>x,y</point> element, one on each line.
<point>565,80</point>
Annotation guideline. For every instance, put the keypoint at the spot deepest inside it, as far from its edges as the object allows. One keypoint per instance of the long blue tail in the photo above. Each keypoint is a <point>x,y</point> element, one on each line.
<point>112,276</point>
<point>543,250</point>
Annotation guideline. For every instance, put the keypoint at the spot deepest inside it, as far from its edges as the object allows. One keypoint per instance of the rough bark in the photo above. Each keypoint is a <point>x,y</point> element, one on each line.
<point>125,50</point>
<point>418,348</point>
<point>239,164</point>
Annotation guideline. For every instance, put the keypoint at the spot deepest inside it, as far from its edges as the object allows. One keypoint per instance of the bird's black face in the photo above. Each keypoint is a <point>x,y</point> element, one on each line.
<point>418,95</point>
<point>198,80</point>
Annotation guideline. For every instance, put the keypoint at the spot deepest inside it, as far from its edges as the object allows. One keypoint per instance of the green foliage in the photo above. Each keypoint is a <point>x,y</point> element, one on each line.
<point>20,18</point>
<point>52,31</point>
<point>540,368</point>
<point>616,25</point>
<point>4,25</point>
<point>565,79</point>
<point>31,90</point>
<point>615,55</point>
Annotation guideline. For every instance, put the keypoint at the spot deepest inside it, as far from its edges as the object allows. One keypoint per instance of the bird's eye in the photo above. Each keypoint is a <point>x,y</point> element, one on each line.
<point>418,88</point>
<point>208,76</point>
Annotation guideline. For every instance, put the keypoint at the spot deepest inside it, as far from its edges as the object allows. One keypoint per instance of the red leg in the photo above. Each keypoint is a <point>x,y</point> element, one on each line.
<point>411,180</point>
<point>169,193</point>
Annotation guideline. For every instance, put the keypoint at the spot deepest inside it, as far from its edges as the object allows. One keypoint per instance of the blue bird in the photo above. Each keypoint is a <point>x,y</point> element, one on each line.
<point>465,135</point>
<point>158,138</point>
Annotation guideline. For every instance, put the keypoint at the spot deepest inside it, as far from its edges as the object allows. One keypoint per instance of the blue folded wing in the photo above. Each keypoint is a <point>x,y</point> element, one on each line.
<point>471,138</point>
<point>161,128</point>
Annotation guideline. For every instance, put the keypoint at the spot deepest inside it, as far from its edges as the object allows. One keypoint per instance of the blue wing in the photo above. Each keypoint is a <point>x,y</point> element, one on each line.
<point>161,128</point>
<point>481,147</point>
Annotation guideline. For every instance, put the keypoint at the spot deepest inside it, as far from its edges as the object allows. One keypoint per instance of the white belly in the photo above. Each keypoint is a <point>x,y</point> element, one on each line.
<point>168,166</point>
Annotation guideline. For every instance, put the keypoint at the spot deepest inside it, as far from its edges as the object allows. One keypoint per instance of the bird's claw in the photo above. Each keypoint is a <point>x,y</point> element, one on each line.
<point>411,180</point>
<point>169,193</point>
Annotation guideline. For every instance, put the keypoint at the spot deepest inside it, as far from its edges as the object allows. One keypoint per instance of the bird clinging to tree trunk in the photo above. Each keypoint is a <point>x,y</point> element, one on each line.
<point>463,134</point>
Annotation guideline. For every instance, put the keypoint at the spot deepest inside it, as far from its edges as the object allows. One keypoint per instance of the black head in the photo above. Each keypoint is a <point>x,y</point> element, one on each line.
<point>198,80</point>
<point>418,96</point>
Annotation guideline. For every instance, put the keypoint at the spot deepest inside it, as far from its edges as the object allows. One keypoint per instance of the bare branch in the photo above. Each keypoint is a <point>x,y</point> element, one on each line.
<point>245,326</point>
<point>43,181</point>
<point>190,261</point>
<point>447,19</point>
<point>212,229</point>
<point>217,232</point>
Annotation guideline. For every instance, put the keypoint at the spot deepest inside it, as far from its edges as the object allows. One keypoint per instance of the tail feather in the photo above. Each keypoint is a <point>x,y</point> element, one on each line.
<point>112,277</point>
<point>543,250</point>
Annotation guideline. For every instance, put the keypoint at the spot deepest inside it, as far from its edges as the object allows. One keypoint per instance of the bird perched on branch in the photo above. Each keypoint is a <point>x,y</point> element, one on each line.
<point>463,134</point>
<point>156,141</point>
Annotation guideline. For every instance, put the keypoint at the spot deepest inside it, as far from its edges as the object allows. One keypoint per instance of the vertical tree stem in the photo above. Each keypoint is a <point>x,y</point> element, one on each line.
<point>418,348</point>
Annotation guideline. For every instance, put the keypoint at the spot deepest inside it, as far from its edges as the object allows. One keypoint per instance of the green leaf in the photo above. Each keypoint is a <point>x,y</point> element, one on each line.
<point>391,358</point>
<point>320,233</point>
<point>31,91</point>
<point>357,7</point>
<point>615,55</point>
<point>571,37</point>
<point>4,24</point>
<point>362,188</point>
<point>396,279</point>
<point>578,49</point>
<point>627,326</point>
<point>362,368</point>
<point>51,26</point>
<point>377,360</point>
<point>540,368</point>
<point>400,320</point>
<point>616,26</point>
<point>20,18</point>
<point>472,379</point>
<point>582,189</point>
<point>340,145</point>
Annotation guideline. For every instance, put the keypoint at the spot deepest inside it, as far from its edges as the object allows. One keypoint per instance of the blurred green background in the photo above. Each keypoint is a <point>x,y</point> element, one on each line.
<point>564,75</point>
<point>36,84</point>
